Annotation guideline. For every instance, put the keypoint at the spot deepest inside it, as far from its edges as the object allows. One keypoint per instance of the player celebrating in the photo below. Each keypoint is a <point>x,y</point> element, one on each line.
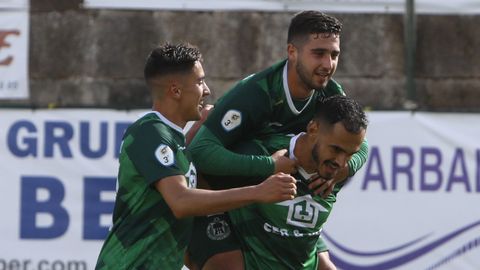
<point>284,235</point>
<point>156,180</point>
<point>268,105</point>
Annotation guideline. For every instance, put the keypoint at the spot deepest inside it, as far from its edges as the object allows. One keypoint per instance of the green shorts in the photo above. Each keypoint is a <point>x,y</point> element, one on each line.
<point>211,235</point>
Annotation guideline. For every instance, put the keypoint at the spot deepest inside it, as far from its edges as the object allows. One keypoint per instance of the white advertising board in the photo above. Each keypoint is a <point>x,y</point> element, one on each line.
<point>14,32</point>
<point>414,205</point>
<point>346,6</point>
<point>14,4</point>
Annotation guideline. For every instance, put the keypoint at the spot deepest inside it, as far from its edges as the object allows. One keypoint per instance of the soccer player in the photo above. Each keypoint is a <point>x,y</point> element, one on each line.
<point>268,105</point>
<point>156,179</point>
<point>284,235</point>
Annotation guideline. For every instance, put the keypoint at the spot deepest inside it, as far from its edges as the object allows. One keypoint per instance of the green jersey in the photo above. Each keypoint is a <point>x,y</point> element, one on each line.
<point>284,235</point>
<point>258,107</point>
<point>145,233</point>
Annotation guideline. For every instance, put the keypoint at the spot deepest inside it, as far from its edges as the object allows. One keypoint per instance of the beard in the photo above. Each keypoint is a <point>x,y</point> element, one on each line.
<point>306,78</point>
<point>319,163</point>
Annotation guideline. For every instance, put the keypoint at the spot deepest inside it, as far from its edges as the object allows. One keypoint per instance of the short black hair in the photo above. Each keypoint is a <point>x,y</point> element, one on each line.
<point>171,58</point>
<point>312,22</point>
<point>339,108</point>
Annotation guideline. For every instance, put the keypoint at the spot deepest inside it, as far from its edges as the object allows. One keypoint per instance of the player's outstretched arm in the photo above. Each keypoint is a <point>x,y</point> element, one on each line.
<point>186,202</point>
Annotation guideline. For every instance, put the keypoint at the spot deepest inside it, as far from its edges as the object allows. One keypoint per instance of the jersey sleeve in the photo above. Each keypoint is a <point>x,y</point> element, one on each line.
<point>153,153</point>
<point>333,88</point>
<point>211,157</point>
<point>236,116</point>
<point>358,159</point>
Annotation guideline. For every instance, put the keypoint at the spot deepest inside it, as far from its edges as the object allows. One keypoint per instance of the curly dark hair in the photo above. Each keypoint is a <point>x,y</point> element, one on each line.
<point>339,108</point>
<point>171,58</point>
<point>312,22</point>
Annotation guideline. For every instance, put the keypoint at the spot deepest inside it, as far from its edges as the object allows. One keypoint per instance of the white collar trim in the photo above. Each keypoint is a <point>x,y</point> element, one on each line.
<point>289,96</point>
<point>165,120</point>
<point>293,142</point>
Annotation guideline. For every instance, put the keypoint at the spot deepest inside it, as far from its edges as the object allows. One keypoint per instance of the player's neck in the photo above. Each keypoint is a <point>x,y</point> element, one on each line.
<point>303,153</point>
<point>298,90</point>
<point>169,111</point>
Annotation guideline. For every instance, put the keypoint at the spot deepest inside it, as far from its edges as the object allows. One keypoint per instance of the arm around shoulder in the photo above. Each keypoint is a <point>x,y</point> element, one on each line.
<point>184,201</point>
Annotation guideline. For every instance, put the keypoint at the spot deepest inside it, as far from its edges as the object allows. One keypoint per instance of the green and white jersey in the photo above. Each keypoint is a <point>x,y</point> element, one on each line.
<point>283,235</point>
<point>145,233</point>
<point>257,107</point>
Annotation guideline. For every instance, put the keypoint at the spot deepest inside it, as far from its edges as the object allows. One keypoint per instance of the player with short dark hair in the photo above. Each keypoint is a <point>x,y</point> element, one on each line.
<point>156,194</point>
<point>266,106</point>
<point>284,235</point>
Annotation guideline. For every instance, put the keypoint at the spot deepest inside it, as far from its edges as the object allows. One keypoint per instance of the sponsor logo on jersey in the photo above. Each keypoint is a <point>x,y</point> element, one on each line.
<point>303,211</point>
<point>191,176</point>
<point>231,120</point>
<point>218,229</point>
<point>164,155</point>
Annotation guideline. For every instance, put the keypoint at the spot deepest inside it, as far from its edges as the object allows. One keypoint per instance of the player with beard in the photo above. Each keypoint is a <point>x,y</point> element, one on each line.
<point>284,235</point>
<point>266,106</point>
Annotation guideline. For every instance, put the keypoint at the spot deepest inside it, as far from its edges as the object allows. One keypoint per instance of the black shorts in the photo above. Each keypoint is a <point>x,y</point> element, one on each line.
<point>211,235</point>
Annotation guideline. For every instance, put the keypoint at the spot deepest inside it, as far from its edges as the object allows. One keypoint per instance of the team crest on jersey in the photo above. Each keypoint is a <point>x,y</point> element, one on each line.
<point>164,155</point>
<point>303,211</point>
<point>191,176</point>
<point>218,229</point>
<point>231,120</point>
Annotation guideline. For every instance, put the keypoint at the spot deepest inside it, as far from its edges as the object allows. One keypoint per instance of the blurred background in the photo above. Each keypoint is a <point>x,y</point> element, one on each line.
<point>71,81</point>
<point>92,53</point>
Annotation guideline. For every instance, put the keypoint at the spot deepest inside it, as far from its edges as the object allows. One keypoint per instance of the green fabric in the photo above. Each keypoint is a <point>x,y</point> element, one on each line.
<point>255,108</point>
<point>283,235</point>
<point>145,234</point>
<point>358,159</point>
<point>211,157</point>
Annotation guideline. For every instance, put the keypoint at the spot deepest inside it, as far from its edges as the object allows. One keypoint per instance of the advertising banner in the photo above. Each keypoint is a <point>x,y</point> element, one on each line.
<point>414,205</point>
<point>14,4</point>
<point>344,6</point>
<point>14,33</point>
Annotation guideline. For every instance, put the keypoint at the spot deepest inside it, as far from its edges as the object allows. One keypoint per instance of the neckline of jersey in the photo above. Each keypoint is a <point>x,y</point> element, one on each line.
<point>291,155</point>
<point>288,95</point>
<point>166,121</point>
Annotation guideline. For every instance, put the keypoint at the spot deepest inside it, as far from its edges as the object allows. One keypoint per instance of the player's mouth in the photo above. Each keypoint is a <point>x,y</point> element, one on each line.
<point>201,105</point>
<point>323,75</point>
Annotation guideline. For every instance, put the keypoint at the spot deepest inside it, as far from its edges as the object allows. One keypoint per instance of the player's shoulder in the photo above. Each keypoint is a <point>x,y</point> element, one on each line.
<point>333,88</point>
<point>266,81</point>
<point>152,125</point>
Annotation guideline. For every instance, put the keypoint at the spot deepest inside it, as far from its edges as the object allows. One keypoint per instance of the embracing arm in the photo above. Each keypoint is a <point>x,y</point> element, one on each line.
<point>211,157</point>
<point>358,159</point>
<point>194,202</point>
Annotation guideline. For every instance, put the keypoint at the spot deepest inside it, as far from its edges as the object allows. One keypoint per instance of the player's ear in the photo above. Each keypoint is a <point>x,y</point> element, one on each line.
<point>312,128</point>
<point>292,52</point>
<point>175,90</point>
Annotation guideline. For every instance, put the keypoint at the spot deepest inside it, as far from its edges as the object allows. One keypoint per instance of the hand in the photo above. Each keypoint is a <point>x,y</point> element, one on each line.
<point>283,163</point>
<point>276,188</point>
<point>322,186</point>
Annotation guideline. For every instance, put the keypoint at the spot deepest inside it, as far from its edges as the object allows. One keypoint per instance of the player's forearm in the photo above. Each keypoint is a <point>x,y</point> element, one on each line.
<point>211,157</point>
<point>199,202</point>
<point>358,159</point>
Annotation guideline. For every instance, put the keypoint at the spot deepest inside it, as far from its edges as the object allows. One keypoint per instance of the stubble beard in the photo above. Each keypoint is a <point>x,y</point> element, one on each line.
<point>306,79</point>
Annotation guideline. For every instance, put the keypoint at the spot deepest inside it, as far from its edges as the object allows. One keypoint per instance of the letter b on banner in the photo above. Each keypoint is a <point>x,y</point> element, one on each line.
<point>31,206</point>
